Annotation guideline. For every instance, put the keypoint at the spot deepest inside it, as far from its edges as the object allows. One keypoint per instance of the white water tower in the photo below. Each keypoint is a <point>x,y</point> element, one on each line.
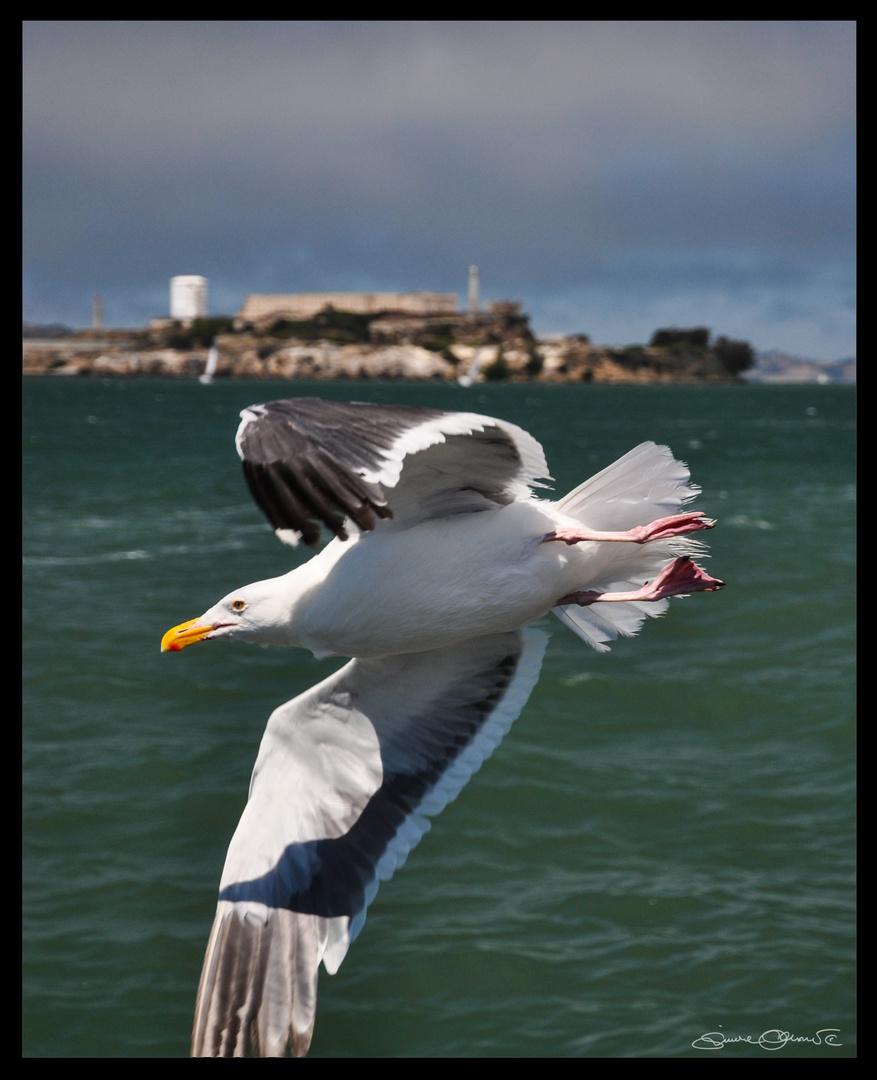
<point>188,297</point>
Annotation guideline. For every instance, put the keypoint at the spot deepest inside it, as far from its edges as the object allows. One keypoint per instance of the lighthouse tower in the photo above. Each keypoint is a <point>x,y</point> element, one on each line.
<point>472,300</point>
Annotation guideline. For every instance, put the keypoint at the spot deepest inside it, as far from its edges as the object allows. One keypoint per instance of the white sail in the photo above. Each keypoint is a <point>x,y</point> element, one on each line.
<point>210,370</point>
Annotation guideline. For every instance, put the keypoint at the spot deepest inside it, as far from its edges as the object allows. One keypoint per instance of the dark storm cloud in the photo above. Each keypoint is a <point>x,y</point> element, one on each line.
<point>613,176</point>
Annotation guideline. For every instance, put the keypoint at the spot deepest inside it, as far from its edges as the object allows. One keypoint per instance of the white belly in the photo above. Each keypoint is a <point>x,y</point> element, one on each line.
<point>439,582</point>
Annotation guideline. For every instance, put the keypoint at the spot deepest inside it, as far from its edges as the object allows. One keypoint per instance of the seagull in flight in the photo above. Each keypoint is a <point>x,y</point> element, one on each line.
<point>443,556</point>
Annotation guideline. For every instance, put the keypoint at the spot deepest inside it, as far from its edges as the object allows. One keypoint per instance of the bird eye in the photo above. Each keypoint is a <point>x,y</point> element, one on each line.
<point>238,605</point>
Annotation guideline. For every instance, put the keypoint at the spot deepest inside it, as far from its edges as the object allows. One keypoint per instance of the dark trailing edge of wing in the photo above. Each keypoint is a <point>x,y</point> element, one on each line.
<point>303,461</point>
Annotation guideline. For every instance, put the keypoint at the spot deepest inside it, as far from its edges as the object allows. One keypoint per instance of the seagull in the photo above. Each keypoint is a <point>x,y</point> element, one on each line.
<point>443,557</point>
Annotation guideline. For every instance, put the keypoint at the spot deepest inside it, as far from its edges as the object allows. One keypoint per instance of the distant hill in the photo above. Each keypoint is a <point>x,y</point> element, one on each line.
<point>46,331</point>
<point>779,367</point>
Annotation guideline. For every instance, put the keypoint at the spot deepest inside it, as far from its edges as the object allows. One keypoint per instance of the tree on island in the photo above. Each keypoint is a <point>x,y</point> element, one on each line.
<point>734,356</point>
<point>698,337</point>
<point>731,356</point>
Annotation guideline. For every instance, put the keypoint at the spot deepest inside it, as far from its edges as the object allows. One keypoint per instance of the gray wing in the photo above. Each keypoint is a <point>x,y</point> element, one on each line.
<point>346,777</point>
<point>308,462</point>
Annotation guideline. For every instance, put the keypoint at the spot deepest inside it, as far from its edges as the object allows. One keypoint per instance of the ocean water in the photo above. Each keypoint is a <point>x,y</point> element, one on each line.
<point>661,850</point>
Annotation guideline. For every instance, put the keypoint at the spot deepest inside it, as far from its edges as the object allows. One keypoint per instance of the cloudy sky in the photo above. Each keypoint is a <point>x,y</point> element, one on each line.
<point>614,177</point>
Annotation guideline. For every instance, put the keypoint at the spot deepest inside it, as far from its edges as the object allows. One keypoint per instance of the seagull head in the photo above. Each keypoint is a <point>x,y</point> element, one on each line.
<point>256,613</point>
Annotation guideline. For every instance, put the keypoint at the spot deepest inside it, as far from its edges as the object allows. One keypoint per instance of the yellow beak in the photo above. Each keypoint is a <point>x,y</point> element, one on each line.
<point>186,633</point>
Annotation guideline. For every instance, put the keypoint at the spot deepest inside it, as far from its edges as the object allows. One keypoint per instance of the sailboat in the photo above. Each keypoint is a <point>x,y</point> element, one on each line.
<point>472,374</point>
<point>210,370</point>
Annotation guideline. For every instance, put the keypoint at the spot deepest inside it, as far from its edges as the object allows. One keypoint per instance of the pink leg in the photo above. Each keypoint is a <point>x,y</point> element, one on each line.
<point>662,529</point>
<point>680,576</point>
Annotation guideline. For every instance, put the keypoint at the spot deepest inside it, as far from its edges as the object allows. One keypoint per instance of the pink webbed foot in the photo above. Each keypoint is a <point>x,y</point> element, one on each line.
<point>678,577</point>
<point>661,529</point>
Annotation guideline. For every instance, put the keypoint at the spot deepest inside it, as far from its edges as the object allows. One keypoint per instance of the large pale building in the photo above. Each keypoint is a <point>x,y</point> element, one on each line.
<point>305,305</point>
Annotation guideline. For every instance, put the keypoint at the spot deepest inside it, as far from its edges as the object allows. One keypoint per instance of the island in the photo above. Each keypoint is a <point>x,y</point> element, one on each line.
<point>492,345</point>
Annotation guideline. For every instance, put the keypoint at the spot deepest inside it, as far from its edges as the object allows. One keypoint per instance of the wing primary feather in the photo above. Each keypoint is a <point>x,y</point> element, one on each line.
<point>311,489</point>
<point>276,498</point>
<point>307,492</point>
<point>345,491</point>
<point>258,990</point>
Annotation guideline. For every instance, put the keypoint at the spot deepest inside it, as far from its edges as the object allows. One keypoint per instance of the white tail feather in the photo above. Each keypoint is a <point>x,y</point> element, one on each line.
<point>645,484</point>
